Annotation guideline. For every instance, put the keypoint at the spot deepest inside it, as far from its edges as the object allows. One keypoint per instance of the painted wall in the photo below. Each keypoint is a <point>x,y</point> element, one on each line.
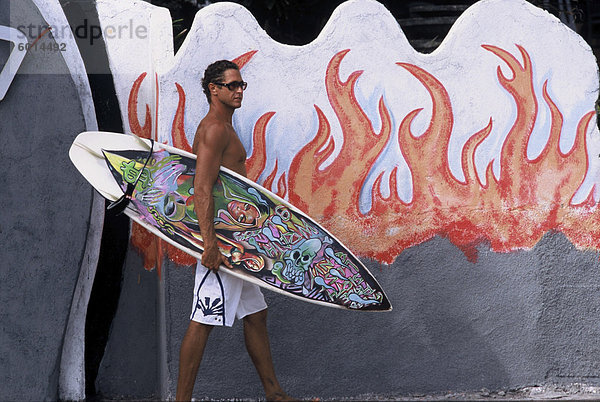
<point>47,233</point>
<point>488,139</point>
<point>465,179</point>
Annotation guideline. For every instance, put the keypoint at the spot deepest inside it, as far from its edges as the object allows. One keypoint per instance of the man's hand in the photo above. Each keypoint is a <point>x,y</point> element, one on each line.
<point>212,259</point>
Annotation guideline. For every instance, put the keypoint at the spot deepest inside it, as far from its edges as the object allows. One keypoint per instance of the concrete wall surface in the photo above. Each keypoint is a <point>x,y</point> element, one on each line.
<point>489,255</point>
<point>130,367</point>
<point>467,180</point>
<point>46,203</point>
<point>508,321</point>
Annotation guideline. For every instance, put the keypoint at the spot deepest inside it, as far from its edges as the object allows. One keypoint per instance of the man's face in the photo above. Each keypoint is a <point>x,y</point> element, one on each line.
<point>230,97</point>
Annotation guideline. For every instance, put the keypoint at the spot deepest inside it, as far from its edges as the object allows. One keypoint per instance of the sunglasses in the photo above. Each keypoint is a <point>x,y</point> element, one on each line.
<point>233,85</point>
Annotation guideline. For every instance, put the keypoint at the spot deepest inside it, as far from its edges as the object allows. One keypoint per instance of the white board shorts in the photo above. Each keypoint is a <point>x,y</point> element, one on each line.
<point>219,298</point>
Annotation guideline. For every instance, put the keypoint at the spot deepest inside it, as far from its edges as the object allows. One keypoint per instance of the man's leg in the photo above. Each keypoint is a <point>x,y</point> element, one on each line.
<point>259,349</point>
<point>190,356</point>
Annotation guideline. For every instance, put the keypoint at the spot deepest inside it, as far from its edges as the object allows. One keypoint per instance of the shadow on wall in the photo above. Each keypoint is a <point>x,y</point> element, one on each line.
<point>106,289</point>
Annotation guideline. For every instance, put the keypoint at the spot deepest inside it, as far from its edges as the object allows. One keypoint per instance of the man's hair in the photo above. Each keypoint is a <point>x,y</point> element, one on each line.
<point>214,73</point>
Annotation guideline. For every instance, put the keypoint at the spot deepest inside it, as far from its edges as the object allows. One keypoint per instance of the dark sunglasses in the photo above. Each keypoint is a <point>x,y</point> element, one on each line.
<point>233,85</point>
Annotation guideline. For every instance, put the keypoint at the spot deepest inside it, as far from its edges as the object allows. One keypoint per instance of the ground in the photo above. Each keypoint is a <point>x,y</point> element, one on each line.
<point>574,391</point>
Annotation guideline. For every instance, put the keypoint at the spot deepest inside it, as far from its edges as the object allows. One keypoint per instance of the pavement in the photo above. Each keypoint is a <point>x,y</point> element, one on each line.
<point>575,391</point>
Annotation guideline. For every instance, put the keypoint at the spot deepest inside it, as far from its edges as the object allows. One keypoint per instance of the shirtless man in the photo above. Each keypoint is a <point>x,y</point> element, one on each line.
<point>220,298</point>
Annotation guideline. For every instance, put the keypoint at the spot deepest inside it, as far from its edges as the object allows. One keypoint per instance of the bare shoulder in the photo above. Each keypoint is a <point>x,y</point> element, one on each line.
<point>212,134</point>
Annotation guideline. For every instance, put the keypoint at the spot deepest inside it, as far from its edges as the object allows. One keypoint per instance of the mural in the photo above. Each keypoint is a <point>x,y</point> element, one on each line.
<point>530,197</point>
<point>490,141</point>
<point>372,138</point>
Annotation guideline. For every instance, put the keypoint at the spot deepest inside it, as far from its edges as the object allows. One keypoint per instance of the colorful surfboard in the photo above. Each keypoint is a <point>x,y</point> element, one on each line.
<point>270,242</point>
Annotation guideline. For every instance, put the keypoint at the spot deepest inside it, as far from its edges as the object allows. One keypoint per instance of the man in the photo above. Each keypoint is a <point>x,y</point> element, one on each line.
<point>218,297</point>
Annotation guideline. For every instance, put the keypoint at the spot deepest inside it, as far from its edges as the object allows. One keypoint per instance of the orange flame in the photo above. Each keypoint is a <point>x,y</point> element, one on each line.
<point>144,131</point>
<point>242,60</point>
<point>177,129</point>
<point>256,163</point>
<point>360,149</point>
<point>511,212</point>
<point>530,198</point>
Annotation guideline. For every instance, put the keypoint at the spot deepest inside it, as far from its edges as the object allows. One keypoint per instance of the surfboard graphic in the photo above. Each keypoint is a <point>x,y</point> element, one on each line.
<point>270,242</point>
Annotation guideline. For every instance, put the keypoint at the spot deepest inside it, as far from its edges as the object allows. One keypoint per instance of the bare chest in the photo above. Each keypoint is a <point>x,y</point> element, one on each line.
<point>234,156</point>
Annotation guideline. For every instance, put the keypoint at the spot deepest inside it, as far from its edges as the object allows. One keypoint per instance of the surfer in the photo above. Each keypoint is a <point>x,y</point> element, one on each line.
<point>219,299</point>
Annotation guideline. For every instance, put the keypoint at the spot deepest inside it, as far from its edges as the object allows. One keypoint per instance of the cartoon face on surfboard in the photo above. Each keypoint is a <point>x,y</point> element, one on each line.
<point>269,241</point>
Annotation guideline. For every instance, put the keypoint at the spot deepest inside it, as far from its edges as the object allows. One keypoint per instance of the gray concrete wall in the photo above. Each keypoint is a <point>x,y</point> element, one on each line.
<point>507,321</point>
<point>44,223</point>
<point>130,367</point>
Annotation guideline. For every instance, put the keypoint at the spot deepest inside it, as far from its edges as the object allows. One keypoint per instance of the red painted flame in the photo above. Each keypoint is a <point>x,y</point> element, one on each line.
<point>177,129</point>
<point>256,163</point>
<point>323,193</point>
<point>530,198</point>
<point>144,131</point>
<point>512,212</point>
<point>242,60</point>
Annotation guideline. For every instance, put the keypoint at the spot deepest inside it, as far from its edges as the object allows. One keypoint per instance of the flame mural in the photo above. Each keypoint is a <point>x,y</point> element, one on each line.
<point>513,211</point>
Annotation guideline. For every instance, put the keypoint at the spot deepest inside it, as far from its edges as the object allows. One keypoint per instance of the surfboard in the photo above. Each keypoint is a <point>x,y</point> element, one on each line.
<point>269,241</point>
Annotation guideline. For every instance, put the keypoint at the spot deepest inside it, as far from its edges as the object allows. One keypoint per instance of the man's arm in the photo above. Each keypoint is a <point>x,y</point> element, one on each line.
<point>211,145</point>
